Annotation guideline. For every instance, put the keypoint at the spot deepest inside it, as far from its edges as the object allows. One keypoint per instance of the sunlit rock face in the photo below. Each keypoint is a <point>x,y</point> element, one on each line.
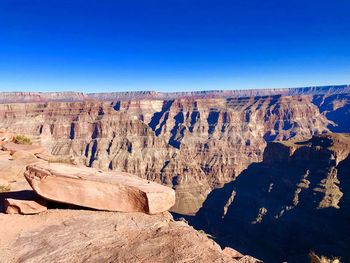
<point>192,141</point>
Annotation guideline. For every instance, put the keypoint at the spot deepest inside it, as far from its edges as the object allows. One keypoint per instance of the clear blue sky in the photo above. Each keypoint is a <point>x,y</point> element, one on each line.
<point>172,45</point>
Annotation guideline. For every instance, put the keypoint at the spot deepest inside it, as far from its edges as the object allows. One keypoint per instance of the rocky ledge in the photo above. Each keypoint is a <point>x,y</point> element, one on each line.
<point>56,232</point>
<point>95,236</point>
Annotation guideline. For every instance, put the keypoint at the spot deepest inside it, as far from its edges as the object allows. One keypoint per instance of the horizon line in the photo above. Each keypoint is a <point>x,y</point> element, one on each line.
<point>178,92</point>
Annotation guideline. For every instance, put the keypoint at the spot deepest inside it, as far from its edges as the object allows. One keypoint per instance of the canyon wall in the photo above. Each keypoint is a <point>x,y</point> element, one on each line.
<point>295,201</point>
<point>193,142</point>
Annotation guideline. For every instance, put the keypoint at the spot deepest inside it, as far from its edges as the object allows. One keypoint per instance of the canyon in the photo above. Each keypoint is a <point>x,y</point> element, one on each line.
<point>261,171</point>
<point>193,142</point>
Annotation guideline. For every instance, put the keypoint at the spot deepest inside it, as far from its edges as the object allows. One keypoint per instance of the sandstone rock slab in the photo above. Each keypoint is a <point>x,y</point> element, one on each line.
<point>88,187</point>
<point>24,207</point>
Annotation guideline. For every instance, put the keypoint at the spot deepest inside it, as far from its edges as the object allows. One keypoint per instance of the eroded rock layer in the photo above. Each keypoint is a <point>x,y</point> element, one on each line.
<point>192,142</point>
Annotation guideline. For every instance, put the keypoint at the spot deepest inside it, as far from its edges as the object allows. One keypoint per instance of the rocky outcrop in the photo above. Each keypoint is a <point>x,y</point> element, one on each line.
<point>60,235</point>
<point>192,142</point>
<point>87,187</point>
<point>95,236</point>
<point>294,202</point>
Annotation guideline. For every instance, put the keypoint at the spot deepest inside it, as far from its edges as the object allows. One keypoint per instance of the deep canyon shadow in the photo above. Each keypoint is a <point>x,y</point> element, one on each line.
<point>255,213</point>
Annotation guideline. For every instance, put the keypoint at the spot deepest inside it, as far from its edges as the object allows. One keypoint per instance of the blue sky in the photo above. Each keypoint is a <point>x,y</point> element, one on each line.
<point>172,45</point>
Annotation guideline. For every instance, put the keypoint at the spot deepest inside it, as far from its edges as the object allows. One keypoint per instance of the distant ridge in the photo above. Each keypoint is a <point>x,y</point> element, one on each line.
<point>27,97</point>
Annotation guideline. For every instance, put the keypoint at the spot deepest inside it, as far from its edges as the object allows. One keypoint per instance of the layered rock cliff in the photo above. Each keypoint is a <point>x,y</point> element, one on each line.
<point>193,142</point>
<point>296,201</point>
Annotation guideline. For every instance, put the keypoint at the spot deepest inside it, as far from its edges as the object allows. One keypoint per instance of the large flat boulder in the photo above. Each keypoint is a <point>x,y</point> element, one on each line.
<point>88,187</point>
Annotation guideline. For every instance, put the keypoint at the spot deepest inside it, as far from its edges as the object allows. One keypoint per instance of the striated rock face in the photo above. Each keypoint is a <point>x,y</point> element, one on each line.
<point>295,201</point>
<point>192,142</point>
<point>91,236</point>
<point>111,191</point>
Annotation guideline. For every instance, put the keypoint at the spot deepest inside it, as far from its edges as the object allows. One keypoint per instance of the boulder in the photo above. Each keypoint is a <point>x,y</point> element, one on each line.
<point>24,207</point>
<point>88,187</point>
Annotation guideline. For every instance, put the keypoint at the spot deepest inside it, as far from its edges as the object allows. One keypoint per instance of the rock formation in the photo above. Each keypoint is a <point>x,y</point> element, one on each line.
<point>193,142</point>
<point>75,235</point>
<point>296,201</point>
<point>94,236</point>
<point>87,187</point>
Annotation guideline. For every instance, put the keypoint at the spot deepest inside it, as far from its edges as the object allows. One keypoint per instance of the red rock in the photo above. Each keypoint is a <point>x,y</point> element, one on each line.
<point>13,147</point>
<point>94,236</point>
<point>87,187</point>
<point>24,207</point>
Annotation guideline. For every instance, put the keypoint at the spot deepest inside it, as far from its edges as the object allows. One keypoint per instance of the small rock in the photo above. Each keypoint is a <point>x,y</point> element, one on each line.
<point>24,207</point>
